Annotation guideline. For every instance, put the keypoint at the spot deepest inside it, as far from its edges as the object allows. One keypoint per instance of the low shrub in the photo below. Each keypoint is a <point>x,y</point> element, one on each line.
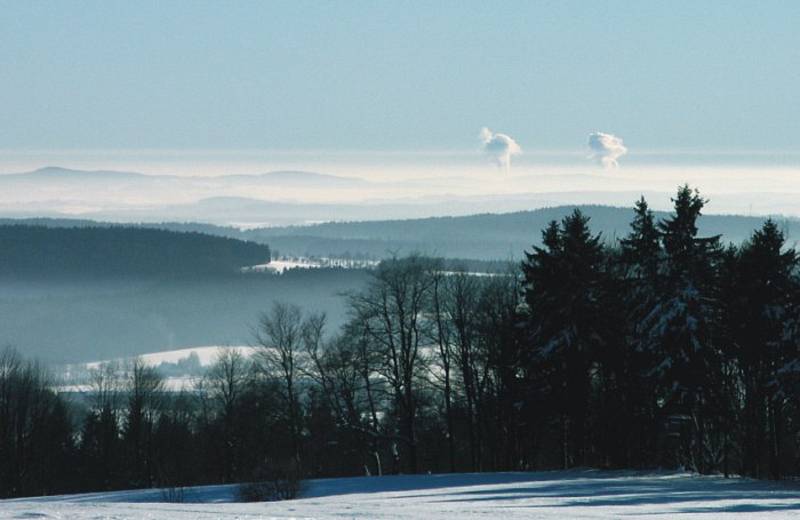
<point>271,483</point>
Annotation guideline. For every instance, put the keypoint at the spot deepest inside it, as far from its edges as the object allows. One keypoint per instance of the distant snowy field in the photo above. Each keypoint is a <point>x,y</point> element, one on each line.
<point>76,378</point>
<point>543,495</point>
<point>205,355</point>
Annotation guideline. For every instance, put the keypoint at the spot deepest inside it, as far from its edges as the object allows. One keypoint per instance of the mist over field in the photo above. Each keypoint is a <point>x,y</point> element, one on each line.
<point>98,319</point>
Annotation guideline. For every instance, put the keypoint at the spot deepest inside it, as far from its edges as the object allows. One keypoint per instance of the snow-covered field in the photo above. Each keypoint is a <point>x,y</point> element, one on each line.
<point>543,495</point>
<point>206,355</point>
<point>183,373</point>
<point>281,265</point>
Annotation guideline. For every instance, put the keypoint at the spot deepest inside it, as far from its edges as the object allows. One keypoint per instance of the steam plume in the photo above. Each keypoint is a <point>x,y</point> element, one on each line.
<point>500,147</point>
<point>606,149</point>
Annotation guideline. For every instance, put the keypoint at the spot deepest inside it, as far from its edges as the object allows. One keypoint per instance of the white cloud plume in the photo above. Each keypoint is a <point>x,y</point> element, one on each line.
<point>606,149</point>
<point>500,147</point>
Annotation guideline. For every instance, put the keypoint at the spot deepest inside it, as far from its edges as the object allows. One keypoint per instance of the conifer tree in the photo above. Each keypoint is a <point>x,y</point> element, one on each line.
<point>682,324</point>
<point>641,248</point>
<point>760,303</point>
<point>638,271</point>
<point>564,293</point>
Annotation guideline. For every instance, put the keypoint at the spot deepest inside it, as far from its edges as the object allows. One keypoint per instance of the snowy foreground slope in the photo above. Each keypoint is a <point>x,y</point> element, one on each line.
<point>546,495</point>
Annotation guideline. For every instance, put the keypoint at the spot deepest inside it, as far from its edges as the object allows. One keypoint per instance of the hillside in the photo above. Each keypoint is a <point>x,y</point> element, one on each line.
<point>485,236</point>
<point>488,236</point>
<point>542,495</point>
<point>40,251</point>
<point>109,291</point>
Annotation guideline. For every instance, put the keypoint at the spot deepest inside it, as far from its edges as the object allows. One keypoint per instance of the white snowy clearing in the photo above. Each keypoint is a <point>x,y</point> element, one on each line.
<point>542,495</point>
<point>205,355</point>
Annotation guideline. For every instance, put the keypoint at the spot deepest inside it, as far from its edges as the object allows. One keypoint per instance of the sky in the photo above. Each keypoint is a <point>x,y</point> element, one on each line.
<point>720,76</point>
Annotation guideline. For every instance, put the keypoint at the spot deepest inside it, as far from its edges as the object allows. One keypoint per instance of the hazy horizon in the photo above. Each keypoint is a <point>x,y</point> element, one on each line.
<point>427,183</point>
<point>448,104</point>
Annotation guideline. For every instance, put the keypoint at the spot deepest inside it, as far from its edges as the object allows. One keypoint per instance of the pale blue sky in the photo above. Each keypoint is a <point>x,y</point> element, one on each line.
<point>350,75</point>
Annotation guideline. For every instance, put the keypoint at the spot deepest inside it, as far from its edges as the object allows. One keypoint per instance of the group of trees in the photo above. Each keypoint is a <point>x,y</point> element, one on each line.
<point>662,349</point>
<point>35,430</point>
<point>38,251</point>
<point>667,350</point>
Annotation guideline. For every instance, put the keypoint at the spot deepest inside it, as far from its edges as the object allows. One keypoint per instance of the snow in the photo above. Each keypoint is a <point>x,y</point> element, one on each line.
<point>281,265</point>
<point>75,378</point>
<point>171,384</point>
<point>557,495</point>
<point>206,355</point>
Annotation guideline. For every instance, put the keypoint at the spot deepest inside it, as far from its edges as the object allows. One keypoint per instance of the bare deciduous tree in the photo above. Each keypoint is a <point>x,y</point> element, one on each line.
<point>278,340</point>
<point>224,383</point>
<point>145,392</point>
<point>443,337</point>
<point>392,310</point>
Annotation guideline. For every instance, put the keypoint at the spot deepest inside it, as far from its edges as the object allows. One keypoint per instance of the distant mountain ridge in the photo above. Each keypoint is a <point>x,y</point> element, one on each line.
<point>298,197</point>
<point>59,173</point>
<point>301,177</point>
<point>280,176</point>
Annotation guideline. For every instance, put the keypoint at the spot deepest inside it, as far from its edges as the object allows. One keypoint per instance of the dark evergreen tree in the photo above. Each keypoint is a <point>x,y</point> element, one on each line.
<point>682,328</point>
<point>760,301</point>
<point>144,392</point>
<point>36,431</point>
<point>175,459</point>
<point>641,249</point>
<point>638,268</point>
<point>565,284</point>
<point>500,337</point>
<point>100,450</point>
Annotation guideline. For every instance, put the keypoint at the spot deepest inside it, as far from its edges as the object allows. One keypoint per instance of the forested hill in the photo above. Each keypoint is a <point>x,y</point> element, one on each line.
<point>38,251</point>
<point>484,237</point>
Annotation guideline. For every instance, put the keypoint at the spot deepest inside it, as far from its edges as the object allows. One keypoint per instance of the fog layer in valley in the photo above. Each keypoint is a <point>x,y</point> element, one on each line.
<point>87,320</point>
<point>251,189</point>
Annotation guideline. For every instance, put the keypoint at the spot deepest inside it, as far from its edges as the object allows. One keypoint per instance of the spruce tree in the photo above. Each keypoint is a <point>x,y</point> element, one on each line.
<point>641,248</point>
<point>564,292</point>
<point>681,327</point>
<point>638,271</point>
<point>763,290</point>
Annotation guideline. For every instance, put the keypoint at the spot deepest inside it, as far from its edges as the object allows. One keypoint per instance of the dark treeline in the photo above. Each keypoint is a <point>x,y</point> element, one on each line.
<point>662,349</point>
<point>481,236</point>
<point>39,251</point>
